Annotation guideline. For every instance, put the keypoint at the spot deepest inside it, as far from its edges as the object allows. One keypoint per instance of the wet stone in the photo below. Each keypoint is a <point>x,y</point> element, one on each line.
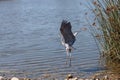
<point>15,78</point>
<point>1,78</point>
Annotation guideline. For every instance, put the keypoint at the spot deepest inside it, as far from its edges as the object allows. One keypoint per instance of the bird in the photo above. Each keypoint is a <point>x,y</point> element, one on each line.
<point>68,38</point>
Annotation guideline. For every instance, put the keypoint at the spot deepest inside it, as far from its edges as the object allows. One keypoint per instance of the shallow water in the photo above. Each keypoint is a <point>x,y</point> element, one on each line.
<point>30,42</point>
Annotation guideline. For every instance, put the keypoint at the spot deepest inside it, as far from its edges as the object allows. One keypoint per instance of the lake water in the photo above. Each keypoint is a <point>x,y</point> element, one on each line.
<point>30,42</point>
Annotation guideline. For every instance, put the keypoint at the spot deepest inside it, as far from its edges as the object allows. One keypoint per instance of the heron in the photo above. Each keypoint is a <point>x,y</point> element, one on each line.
<point>68,38</point>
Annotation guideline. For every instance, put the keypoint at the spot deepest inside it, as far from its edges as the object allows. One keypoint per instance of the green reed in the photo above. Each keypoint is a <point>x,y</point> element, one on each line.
<point>106,27</point>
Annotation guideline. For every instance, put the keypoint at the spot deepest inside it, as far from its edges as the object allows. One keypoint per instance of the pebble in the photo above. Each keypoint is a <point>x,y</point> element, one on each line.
<point>25,79</point>
<point>97,79</point>
<point>72,78</point>
<point>69,76</point>
<point>80,79</point>
<point>1,78</point>
<point>118,78</point>
<point>106,77</point>
<point>14,78</point>
<point>75,78</point>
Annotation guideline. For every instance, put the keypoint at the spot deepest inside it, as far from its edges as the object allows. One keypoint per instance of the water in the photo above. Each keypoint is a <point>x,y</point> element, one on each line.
<point>30,42</point>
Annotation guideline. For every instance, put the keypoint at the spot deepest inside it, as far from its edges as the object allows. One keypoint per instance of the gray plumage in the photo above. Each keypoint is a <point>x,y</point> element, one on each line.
<point>66,32</point>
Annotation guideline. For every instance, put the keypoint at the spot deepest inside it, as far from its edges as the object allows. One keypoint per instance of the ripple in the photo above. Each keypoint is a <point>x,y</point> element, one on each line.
<point>30,44</point>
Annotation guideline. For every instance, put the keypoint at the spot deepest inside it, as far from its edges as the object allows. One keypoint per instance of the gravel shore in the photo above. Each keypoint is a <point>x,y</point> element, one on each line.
<point>96,76</point>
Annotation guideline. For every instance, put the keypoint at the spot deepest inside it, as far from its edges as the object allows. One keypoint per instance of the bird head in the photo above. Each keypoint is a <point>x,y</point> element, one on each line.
<point>68,48</point>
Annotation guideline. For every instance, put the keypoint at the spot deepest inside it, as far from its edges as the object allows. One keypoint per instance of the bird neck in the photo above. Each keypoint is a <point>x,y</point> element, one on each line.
<point>68,48</point>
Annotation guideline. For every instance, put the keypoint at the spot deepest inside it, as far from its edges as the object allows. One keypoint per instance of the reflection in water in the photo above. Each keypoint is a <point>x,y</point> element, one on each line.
<point>29,42</point>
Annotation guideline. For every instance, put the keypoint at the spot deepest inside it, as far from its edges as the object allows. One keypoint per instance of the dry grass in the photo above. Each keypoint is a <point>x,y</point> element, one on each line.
<point>106,27</point>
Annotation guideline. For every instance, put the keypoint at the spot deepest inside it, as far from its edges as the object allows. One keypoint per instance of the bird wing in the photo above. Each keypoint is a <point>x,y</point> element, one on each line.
<point>66,32</point>
<point>81,29</point>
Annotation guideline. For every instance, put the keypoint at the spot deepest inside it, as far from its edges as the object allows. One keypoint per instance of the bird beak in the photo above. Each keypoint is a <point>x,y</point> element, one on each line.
<point>69,50</point>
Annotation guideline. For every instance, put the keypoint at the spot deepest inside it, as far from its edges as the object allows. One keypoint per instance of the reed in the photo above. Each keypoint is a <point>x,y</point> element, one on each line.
<point>106,28</point>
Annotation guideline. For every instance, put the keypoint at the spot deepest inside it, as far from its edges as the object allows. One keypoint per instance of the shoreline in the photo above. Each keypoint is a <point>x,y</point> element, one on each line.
<point>102,75</point>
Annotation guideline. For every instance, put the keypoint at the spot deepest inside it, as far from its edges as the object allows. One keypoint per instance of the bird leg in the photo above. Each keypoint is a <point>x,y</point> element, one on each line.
<point>68,58</point>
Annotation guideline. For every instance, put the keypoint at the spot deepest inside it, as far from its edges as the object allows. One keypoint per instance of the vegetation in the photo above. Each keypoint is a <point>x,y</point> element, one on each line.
<point>107,31</point>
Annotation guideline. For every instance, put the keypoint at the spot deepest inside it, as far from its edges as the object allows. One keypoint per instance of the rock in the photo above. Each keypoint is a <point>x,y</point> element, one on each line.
<point>69,76</point>
<point>14,78</point>
<point>1,78</point>
<point>72,78</point>
<point>25,79</point>
<point>97,79</point>
<point>106,77</point>
<point>118,79</point>
<point>75,78</point>
<point>80,79</point>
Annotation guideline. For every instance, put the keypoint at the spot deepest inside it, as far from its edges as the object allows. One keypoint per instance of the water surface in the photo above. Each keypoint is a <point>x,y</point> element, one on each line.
<point>30,42</point>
